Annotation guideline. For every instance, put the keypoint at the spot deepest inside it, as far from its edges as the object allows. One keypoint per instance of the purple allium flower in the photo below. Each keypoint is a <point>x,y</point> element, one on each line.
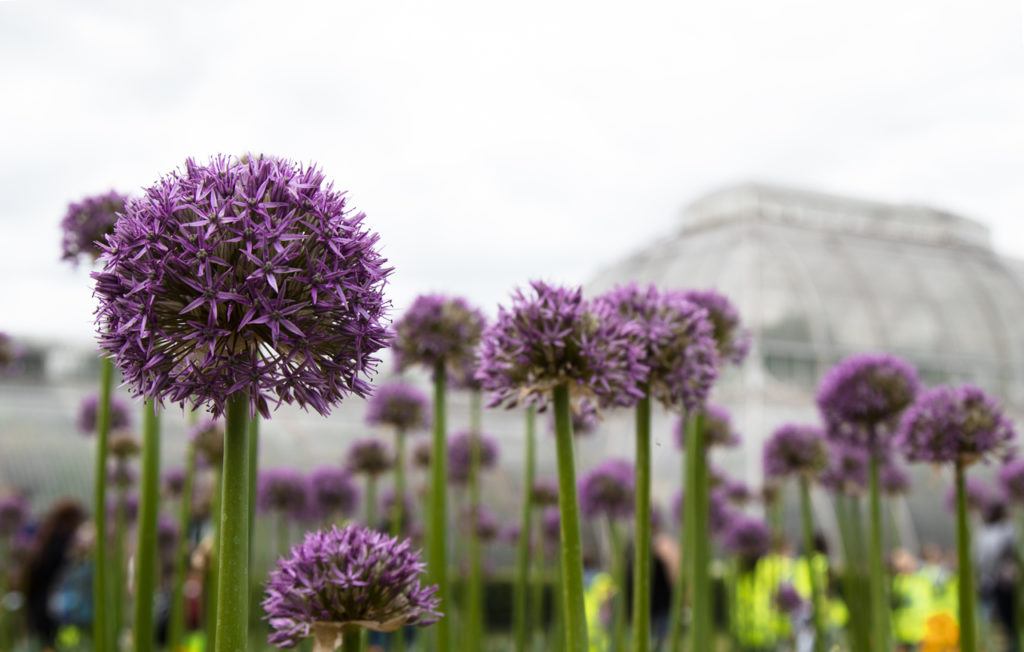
<point>747,538</point>
<point>121,474</point>
<point>510,533</point>
<point>1011,479</point>
<point>174,482</point>
<point>369,456</point>
<point>676,340</point>
<point>130,504</point>
<point>894,479</point>
<point>795,450</point>
<point>208,438</point>
<point>732,340</point>
<point>735,491</point>
<point>399,405</point>
<point>332,492</point>
<point>460,450</point>
<point>349,577</point>
<point>551,525</point>
<point>13,513</point>
<point>847,470</point>
<point>861,398</point>
<point>544,493</point>
<point>553,337</point>
<point>769,493</point>
<point>421,452</point>
<point>88,222</point>
<point>486,521</point>
<point>718,429</point>
<point>387,504</point>
<point>437,328</point>
<point>955,424</point>
<point>608,490</point>
<point>980,496</point>
<point>243,276</point>
<point>585,419</point>
<point>787,599</point>
<point>283,490</point>
<point>120,414</point>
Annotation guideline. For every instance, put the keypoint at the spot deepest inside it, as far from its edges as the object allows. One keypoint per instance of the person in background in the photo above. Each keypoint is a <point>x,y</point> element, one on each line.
<point>996,565</point>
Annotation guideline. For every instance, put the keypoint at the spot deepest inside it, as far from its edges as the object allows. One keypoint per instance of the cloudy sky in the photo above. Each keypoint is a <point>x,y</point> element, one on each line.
<point>490,143</point>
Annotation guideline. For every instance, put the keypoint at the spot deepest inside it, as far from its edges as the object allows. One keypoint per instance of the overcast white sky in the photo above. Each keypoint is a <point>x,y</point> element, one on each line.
<point>491,143</point>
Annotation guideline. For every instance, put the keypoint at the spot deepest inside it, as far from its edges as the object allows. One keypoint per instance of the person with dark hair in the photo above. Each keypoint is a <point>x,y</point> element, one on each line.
<point>996,565</point>
<point>45,565</point>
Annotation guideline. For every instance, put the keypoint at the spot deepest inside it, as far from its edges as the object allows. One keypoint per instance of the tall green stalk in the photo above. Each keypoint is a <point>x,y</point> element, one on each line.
<point>437,539</point>
<point>398,515</point>
<point>876,566</point>
<point>642,542</point>
<point>119,566</point>
<point>700,634</point>
<point>370,504</point>
<point>968,624</point>
<point>213,569</point>
<point>536,624</point>
<point>100,632</point>
<point>675,626</point>
<point>619,577</point>
<point>859,620</point>
<point>475,592</point>
<point>146,548</point>
<point>572,547</point>
<point>232,633</point>
<point>523,548</point>
<point>254,471</point>
<point>176,624</point>
<point>810,555</point>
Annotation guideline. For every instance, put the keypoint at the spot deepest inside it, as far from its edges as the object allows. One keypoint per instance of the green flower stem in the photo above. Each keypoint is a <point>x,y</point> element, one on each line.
<point>101,619</point>
<point>858,627</point>
<point>370,504</point>
<point>876,565</point>
<point>675,627</point>
<point>523,547</point>
<point>119,566</point>
<point>176,626</point>
<point>810,554</point>
<point>642,513</point>
<point>619,577</point>
<point>572,547</point>
<point>212,569</point>
<point>398,638</point>
<point>536,623</point>
<point>146,552</point>
<point>254,471</point>
<point>894,530</point>
<point>283,534</point>
<point>968,625</point>
<point>437,540</point>
<point>351,640</point>
<point>233,567</point>
<point>475,592</point>
<point>700,634</point>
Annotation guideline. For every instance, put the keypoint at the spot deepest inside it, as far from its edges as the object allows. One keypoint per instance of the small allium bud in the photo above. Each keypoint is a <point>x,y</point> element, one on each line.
<point>795,450</point>
<point>174,482</point>
<point>124,444</point>
<point>370,456</point>
<point>120,414</point>
<point>437,328</point>
<point>399,405</point>
<point>608,490</point>
<point>283,490</point>
<point>718,429</point>
<point>460,451</point>
<point>787,599</point>
<point>332,492</point>
<point>747,538</point>
<point>544,493</point>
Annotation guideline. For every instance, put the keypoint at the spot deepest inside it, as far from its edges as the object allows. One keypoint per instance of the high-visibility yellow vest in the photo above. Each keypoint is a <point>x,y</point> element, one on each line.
<point>600,590</point>
<point>913,605</point>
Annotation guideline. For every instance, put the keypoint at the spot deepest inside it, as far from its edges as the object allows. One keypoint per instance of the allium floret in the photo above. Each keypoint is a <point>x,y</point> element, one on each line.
<point>747,538</point>
<point>732,340</point>
<point>955,424</point>
<point>1011,479</point>
<point>399,405</point>
<point>460,451</point>
<point>421,452</point>
<point>544,493</point>
<point>795,450</point>
<point>87,223</point>
<point>847,470</point>
<point>369,456</point>
<point>551,525</point>
<point>332,492</point>
<point>124,444</point>
<point>551,337</point>
<point>788,599</point>
<point>283,490</point>
<point>347,579</point>
<point>484,520</point>
<point>718,428</point>
<point>438,328</point>
<point>608,490</point>
<point>174,482</point>
<point>120,414</point>
<point>894,478</point>
<point>243,276</point>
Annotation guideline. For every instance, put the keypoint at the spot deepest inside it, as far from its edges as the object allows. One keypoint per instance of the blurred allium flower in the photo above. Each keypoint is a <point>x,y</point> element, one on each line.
<point>585,419</point>
<point>347,578</point>
<point>130,504</point>
<point>460,449</point>
<point>121,474</point>
<point>769,493</point>
<point>720,514</point>
<point>787,599</point>
<point>437,328</point>
<point>120,414</point>
<point>510,533</point>
<point>847,470</point>
<point>208,438</point>
<point>893,478</point>
<point>608,490</point>
<point>553,337</point>
<point>1011,479</point>
<point>747,538</point>
<point>732,340</point>
<point>718,430</point>
<point>174,482</point>
<point>387,504</point>
<point>124,444</point>
<point>486,521</point>
<point>979,495</point>
<point>955,424</point>
<point>166,535</point>
<point>862,397</point>
<point>545,493</point>
<point>421,452</point>
<point>243,275</point>
<point>283,490</point>
<point>795,450</point>
<point>676,341</point>
<point>369,456</point>
<point>399,405</point>
<point>88,222</point>
<point>13,513</point>
<point>735,491</point>
<point>332,492</point>
<point>551,525</point>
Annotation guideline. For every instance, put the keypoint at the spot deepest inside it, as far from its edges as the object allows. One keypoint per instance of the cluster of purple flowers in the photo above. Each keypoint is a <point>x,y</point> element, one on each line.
<point>544,493</point>
<point>747,538</point>
<point>120,414</point>
<point>718,428</point>
<point>174,482</point>
<point>608,490</point>
<point>399,405</point>
<point>894,478</point>
<point>460,452</point>
<point>955,424</point>
<point>283,490</point>
<point>795,450</point>
<point>88,222</point>
<point>332,492</point>
<point>484,521</point>
<point>369,456</point>
<point>438,329</point>
<point>731,339</point>
<point>847,470</point>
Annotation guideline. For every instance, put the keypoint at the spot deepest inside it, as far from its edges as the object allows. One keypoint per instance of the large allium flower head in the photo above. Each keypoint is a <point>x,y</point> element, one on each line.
<point>174,482</point>
<point>732,340</point>
<point>460,451</point>
<point>718,429</point>
<point>124,444</point>
<point>550,337</point>
<point>421,452</point>
<point>747,538</point>
<point>13,514</point>
<point>120,414</point>
<point>608,490</point>
<point>861,398</point>
<point>551,525</point>
<point>485,522</point>
<point>87,223</point>
<point>847,470</point>
<point>340,580</point>
<point>369,456</point>
<point>795,450</point>
<point>787,599</point>
<point>437,328</point>
<point>332,492</point>
<point>980,496</point>
<point>399,405</point>
<point>894,479</point>
<point>243,275</point>
<point>1011,479</point>
<point>283,490</point>
<point>676,340</point>
<point>955,424</point>
<point>585,419</point>
<point>544,493</point>
<point>207,437</point>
